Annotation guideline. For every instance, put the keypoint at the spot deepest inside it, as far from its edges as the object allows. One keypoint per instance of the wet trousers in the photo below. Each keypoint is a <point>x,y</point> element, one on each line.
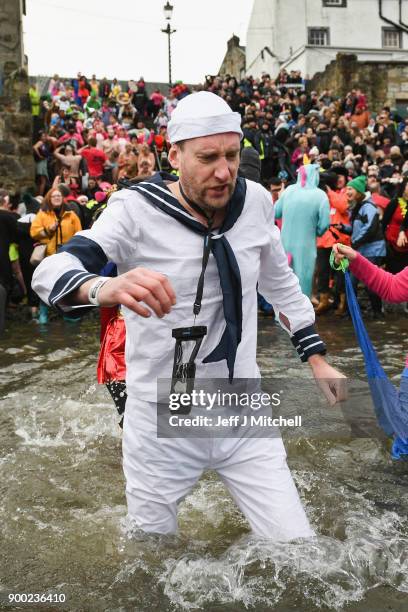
<point>324,271</point>
<point>160,472</point>
<point>375,300</point>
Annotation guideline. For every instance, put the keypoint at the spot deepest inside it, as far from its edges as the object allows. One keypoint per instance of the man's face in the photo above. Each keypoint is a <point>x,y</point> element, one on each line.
<point>372,183</point>
<point>208,168</point>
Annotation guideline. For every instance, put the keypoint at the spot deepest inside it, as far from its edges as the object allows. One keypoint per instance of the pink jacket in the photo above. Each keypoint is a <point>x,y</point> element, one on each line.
<point>390,287</point>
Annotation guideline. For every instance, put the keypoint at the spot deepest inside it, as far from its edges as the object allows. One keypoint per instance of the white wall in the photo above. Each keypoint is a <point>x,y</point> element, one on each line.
<point>260,34</point>
<point>291,19</point>
<point>357,25</point>
<point>283,25</point>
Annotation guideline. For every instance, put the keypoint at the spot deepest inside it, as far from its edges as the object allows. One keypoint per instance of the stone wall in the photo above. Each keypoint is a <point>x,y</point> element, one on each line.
<point>383,83</point>
<point>234,60</point>
<point>17,170</point>
<point>16,157</point>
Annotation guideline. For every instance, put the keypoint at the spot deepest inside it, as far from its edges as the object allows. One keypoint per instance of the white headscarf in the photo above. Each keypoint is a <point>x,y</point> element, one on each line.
<point>202,114</point>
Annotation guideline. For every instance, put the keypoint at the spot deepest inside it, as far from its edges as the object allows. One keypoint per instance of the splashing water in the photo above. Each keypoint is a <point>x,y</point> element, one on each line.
<point>62,502</point>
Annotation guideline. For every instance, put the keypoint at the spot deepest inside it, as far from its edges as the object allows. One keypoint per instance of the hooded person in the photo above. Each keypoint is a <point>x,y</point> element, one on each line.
<point>250,168</point>
<point>190,251</point>
<point>305,213</point>
<point>250,164</point>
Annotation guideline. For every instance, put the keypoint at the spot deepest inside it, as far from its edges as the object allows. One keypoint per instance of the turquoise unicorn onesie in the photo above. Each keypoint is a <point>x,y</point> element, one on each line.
<point>305,213</point>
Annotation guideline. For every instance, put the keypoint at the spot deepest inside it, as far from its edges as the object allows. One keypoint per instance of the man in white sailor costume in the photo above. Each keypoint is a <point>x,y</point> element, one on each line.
<point>154,233</point>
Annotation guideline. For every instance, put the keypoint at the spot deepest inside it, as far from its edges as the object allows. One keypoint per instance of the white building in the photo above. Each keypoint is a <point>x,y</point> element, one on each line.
<point>306,35</point>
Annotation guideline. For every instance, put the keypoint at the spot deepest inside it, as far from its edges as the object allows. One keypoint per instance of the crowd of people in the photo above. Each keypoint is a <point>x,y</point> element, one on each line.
<point>307,148</point>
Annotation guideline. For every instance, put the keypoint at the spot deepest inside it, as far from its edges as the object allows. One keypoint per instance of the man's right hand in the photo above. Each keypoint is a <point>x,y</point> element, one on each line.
<point>137,285</point>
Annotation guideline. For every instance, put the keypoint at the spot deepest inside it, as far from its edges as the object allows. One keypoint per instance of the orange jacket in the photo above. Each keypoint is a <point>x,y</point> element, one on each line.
<point>68,226</point>
<point>362,119</point>
<point>338,214</point>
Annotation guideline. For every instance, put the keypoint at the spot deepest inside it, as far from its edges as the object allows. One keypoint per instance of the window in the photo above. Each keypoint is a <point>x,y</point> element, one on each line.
<point>341,3</point>
<point>318,36</point>
<point>391,38</point>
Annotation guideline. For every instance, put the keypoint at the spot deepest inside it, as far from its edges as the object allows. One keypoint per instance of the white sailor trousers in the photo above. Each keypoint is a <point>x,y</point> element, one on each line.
<point>160,472</point>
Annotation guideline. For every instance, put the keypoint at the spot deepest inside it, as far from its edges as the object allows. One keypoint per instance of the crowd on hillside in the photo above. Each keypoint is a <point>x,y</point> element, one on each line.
<point>90,134</point>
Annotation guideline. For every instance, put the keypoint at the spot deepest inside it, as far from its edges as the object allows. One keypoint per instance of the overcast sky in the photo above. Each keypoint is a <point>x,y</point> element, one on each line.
<point>122,38</point>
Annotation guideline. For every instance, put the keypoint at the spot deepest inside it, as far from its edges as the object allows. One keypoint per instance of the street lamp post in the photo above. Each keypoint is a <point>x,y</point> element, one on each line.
<point>168,11</point>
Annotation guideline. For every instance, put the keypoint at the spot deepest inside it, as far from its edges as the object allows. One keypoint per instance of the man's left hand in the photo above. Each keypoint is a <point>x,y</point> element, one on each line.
<point>330,381</point>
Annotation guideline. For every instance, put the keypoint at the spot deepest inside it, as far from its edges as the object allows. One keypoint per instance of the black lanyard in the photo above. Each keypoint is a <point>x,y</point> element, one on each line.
<point>59,228</point>
<point>206,250</point>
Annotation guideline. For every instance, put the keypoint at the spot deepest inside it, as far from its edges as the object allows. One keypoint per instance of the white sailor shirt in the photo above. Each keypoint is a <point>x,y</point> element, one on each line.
<point>133,233</point>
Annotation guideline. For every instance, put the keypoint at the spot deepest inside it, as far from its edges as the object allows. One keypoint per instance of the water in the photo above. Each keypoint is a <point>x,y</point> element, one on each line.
<point>62,502</point>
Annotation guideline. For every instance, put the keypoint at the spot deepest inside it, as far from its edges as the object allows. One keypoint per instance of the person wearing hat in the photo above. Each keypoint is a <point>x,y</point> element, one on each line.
<point>366,233</point>
<point>250,164</point>
<point>206,237</point>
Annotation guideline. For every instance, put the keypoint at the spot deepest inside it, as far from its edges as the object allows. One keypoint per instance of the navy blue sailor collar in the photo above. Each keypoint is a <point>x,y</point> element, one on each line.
<point>157,193</point>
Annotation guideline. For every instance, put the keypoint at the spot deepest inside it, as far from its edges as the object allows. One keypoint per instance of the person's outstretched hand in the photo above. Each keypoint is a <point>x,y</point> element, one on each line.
<point>332,382</point>
<point>341,251</point>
